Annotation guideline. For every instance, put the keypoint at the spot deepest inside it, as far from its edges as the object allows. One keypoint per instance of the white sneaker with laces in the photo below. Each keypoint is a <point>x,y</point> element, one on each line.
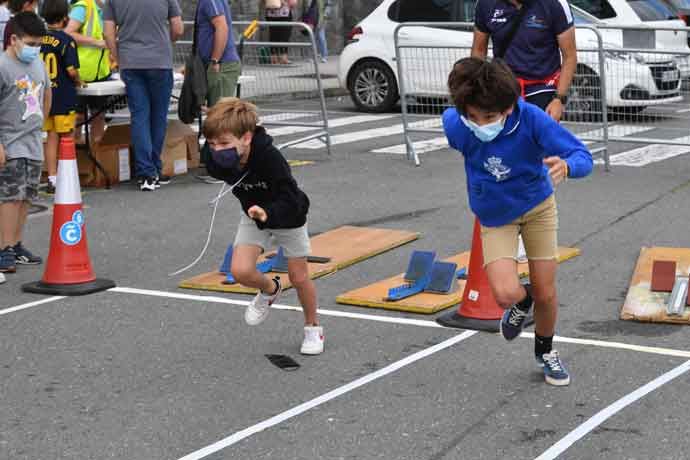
<point>259,307</point>
<point>313,340</point>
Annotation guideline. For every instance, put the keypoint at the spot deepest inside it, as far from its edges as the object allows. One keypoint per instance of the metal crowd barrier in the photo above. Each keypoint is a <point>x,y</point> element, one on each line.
<point>423,65</point>
<point>275,75</point>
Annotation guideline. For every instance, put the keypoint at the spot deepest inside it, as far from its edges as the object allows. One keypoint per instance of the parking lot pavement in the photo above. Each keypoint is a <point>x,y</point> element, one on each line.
<point>153,374</point>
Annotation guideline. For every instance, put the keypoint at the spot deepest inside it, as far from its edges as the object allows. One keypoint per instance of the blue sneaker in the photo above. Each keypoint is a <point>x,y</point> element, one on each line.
<point>555,372</point>
<point>8,264</point>
<point>24,257</point>
<point>512,322</point>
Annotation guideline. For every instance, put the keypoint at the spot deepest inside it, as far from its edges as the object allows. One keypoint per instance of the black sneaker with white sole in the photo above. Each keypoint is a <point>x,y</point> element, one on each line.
<point>23,256</point>
<point>148,185</point>
<point>163,180</point>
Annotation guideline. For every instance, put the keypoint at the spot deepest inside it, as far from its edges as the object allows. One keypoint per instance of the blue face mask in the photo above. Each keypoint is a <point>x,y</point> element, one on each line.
<point>28,54</point>
<point>226,158</point>
<point>485,133</point>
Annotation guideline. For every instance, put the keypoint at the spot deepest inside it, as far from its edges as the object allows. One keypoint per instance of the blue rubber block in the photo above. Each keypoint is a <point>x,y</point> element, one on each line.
<point>406,290</point>
<point>442,278</point>
<point>462,273</point>
<point>421,263</point>
<point>227,261</point>
<point>264,267</point>
<point>280,264</point>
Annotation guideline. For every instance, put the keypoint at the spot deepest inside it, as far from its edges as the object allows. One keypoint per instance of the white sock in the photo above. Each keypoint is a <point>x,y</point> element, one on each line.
<point>52,180</point>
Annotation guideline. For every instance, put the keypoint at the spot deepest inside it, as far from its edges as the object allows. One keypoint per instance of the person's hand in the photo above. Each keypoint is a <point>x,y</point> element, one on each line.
<point>555,109</point>
<point>215,68</point>
<point>257,213</point>
<point>101,44</point>
<point>558,169</point>
<point>3,158</point>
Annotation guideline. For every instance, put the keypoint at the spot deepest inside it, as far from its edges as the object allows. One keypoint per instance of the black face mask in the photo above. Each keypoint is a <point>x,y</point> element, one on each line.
<point>227,158</point>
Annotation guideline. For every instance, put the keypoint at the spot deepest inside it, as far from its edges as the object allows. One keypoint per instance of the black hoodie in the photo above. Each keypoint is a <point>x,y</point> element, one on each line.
<point>268,184</point>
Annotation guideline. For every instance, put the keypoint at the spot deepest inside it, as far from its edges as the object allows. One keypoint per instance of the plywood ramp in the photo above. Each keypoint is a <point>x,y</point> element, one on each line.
<point>345,246</point>
<point>375,294</point>
<point>641,304</point>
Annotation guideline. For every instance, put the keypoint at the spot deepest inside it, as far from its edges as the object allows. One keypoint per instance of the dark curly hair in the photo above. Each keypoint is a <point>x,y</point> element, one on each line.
<point>489,86</point>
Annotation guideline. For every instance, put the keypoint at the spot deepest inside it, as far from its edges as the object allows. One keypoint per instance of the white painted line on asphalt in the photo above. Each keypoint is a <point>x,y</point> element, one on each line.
<point>648,154</point>
<point>615,131</point>
<point>335,123</point>
<point>404,321</point>
<point>304,407</point>
<point>603,415</point>
<point>29,305</point>
<point>429,145</point>
<point>616,345</point>
<point>244,303</point>
<point>374,133</point>
<point>287,116</point>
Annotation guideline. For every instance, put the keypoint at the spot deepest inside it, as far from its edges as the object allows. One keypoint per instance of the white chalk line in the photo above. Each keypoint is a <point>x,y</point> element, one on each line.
<point>319,400</point>
<point>608,412</point>
<point>404,321</point>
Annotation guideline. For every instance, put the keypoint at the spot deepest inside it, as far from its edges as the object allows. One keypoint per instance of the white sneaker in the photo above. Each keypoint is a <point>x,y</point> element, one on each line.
<point>2,278</point>
<point>258,308</point>
<point>313,340</point>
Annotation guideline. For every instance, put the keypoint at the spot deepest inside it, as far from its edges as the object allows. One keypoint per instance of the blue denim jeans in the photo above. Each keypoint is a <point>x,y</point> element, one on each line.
<point>148,97</point>
<point>321,43</point>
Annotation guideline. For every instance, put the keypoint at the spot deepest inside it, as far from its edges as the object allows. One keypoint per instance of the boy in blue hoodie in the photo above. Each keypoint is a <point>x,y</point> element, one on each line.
<point>514,155</point>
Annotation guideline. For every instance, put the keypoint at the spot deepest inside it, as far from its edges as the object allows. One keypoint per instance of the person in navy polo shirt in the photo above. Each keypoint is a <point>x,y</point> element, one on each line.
<point>542,52</point>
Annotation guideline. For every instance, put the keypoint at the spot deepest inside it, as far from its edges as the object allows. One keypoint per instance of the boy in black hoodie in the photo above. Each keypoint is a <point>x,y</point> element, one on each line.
<point>243,155</point>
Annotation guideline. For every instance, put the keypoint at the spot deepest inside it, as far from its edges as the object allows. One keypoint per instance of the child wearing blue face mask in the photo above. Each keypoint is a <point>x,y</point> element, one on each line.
<point>274,211</point>
<point>25,98</point>
<point>514,156</point>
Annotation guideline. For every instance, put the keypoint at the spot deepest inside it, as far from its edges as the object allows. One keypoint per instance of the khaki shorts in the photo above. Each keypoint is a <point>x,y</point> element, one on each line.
<point>539,229</point>
<point>294,241</point>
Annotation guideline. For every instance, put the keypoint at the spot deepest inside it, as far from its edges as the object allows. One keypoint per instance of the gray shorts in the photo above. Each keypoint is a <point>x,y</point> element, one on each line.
<point>294,241</point>
<point>19,180</point>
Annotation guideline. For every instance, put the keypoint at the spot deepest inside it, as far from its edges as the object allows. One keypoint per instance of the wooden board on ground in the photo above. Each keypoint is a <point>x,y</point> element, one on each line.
<point>375,294</point>
<point>641,304</point>
<point>345,246</point>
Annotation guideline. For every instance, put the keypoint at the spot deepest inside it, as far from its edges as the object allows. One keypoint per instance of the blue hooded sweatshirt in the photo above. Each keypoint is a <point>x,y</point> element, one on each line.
<point>506,177</point>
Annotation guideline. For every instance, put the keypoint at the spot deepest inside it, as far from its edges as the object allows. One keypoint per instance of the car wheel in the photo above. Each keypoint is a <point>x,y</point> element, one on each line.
<point>373,87</point>
<point>584,102</point>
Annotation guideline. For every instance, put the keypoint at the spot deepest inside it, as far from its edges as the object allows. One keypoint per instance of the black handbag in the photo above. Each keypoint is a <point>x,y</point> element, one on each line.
<point>195,85</point>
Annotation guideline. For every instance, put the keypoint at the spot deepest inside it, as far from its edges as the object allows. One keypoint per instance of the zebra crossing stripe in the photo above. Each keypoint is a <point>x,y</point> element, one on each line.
<point>429,145</point>
<point>615,131</point>
<point>335,123</point>
<point>648,154</point>
<point>373,133</point>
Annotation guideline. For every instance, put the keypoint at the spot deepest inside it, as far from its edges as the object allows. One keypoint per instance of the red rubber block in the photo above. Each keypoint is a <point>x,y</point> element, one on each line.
<point>663,275</point>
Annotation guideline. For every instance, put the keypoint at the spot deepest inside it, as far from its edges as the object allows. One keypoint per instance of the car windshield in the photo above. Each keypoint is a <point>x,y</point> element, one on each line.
<point>653,10</point>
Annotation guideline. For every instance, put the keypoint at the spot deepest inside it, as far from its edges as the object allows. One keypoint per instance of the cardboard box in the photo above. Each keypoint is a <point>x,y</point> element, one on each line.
<point>180,150</point>
<point>176,133</point>
<point>114,159</point>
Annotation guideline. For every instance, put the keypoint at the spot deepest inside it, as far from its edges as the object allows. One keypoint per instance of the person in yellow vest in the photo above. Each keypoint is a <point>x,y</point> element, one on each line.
<point>86,27</point>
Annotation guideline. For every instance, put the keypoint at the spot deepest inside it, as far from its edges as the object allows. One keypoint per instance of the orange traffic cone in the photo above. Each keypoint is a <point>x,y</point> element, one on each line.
<point>68,268</point>
<point>478,309</point>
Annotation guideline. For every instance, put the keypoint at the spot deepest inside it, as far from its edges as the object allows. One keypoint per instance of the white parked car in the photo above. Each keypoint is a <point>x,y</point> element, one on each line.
<point>648,13</point>
<point>367,66</point>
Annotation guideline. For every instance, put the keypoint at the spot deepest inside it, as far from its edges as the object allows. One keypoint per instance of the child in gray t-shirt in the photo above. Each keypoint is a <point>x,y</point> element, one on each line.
<point>25,97</point>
